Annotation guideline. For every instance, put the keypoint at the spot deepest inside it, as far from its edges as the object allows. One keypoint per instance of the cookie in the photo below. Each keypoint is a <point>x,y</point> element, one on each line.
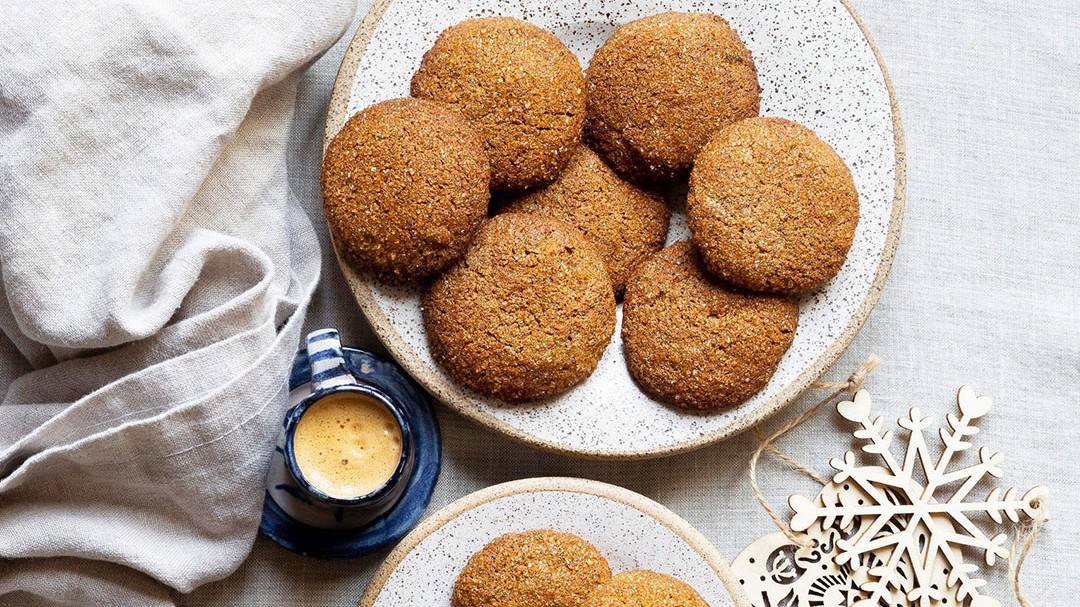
<point>626,223</point>
<point>532,569</point>
<point>526,313</point>
<point>695,342</point>
<point>639,588</point>
<point>660,87</point>
<point>405,187</point>
<point>520,86</point>
<point>772,207</point>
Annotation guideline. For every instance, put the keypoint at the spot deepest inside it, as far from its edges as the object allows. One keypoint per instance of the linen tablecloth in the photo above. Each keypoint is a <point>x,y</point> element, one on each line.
<point>985,290</point>
<point>155,273</point>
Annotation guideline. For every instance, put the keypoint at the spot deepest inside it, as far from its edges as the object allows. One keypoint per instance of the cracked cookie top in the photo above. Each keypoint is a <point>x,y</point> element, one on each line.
<point>519,85</point>
<point>526,313</point>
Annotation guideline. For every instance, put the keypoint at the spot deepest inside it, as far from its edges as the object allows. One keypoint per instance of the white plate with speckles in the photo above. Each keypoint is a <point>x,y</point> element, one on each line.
<point>816,65</point>
<point>630,530</point>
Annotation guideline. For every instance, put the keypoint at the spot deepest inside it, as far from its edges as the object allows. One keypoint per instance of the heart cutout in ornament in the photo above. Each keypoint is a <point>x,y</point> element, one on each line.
<point>857,409</point>
<point>805,512</point>
<point>971,405</point>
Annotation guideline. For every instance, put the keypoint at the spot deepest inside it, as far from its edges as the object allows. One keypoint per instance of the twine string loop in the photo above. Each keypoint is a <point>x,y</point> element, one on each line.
<point>1026,532</point>
<point>852,385</point>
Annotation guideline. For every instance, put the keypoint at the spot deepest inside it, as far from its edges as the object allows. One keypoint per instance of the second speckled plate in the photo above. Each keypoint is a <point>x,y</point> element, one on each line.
<point>816,65</point>
<point>630,530</point>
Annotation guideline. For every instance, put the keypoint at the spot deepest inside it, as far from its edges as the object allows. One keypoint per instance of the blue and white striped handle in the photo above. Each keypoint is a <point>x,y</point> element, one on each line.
<point>327,360</point>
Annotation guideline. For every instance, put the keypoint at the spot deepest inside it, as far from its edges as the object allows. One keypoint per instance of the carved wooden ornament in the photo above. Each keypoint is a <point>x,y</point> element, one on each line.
<point>892,535</point>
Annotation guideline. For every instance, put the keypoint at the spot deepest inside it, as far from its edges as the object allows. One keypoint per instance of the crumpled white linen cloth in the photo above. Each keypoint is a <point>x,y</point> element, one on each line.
<point>155,274</point>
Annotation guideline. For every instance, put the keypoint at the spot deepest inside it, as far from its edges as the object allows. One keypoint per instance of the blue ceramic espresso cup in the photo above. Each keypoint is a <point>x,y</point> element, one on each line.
<point>348,450</point>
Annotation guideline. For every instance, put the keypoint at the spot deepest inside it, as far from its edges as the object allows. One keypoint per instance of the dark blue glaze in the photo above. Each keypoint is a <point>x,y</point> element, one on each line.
<point>386,375</point>
<point>382,495</point>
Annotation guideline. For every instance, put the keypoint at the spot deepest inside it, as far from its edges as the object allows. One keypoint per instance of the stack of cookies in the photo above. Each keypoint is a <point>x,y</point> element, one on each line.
<point>521,305</point>
<point>545,568</point>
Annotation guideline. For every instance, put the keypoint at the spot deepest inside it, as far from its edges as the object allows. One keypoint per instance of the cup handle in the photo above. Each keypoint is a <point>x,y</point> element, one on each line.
<point>327,360</point>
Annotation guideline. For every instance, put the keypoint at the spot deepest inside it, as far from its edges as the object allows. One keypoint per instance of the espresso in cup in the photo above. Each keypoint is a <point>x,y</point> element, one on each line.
<point>347,444</point>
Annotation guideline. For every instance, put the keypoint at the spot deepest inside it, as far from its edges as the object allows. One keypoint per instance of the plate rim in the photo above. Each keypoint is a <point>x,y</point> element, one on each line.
<point>675,523</point>
<point>337,114</point>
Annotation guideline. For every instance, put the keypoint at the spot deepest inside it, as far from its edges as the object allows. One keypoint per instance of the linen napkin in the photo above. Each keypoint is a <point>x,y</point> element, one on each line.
<point>155,273</point>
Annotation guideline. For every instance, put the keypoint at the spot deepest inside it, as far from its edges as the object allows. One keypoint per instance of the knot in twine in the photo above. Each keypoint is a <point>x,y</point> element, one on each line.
<point>1028,530</point>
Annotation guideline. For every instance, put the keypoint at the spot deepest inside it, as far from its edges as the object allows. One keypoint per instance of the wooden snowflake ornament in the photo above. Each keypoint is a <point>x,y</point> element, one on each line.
<point>894,534</point>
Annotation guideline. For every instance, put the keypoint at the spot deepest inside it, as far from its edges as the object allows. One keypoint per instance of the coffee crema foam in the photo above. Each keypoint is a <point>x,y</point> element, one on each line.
<point>347,445</point>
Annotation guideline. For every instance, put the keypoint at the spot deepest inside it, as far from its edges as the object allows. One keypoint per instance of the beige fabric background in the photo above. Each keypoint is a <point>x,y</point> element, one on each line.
<point>154,273</point>
<point>984,290</point>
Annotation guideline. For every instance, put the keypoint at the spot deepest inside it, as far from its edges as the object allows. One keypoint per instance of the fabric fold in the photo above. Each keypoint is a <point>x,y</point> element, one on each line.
<point>155,270</point>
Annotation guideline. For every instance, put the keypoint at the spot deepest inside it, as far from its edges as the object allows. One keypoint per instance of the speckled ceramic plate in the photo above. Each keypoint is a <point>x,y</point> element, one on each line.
<point>630,530</point>
<point>816,65</point>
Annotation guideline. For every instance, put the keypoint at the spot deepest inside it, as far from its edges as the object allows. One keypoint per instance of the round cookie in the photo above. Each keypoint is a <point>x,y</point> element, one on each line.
<point>660,87</point>
<point>625,223</point>
<point>520,86</point>
<point>640,588</point>
<point>526,313</point>
<point>405,187</point>
<point>539,568</point>
<point>772,207</point>
<point>693,341</point>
